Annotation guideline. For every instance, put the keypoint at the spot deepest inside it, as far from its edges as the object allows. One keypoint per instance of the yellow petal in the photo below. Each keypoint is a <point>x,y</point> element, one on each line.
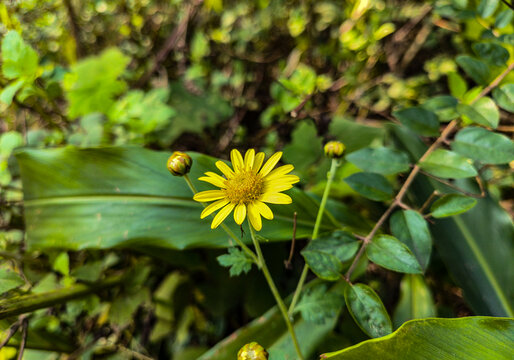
<point>276,188</point>
<point>259,159</point>
<point>276,198</point>
<point>213,207</point>
<point>225,169</point>
<point>264,210</point>
<point>237,160</point>
<point>280,171</point>
<point>214,180</point>
<point>209,195</point>
<point>249,158</point>
<point>254,216</point>
<point>270,164</point>
<point>222,215</point>
<point>240,213</point>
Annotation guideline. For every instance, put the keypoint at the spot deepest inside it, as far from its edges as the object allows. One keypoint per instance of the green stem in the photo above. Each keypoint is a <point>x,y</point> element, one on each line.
<point>315,232</point>
<point>275,292</point>
<point>230,233</point>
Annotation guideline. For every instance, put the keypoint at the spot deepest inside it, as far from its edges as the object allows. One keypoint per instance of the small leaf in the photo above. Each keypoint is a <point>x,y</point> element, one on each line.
<point>457,85</point>
<point>504,96</point>
<point>444,106</point>
<point>370,185</point>
<point>419,120</point>
<point>341,244</point>
<point>492,53</point>
<point>9,91</point>
<point>9,141</point>
<point>390,253</point>
<point>18,58</point>
<point>475,69</point>
<point>452,204</point>
<point>62,264</point>
<point>503,19</point>
<point>415,302</point>
<point>367,310</point>
<point>325,266</point>
<point>487,7</point>
<point>411,228</point>
<point>483,145</point>
<point>483,112</point>
<point>317,305</point>
<point>9,280</point>
<point>449,165</point>
<point>237,260</point>
<point>380,160</point>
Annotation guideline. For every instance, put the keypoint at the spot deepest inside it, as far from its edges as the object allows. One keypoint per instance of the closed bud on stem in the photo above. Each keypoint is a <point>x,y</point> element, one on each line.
<point>179,163</point>
<point>334,149</point>
<point>252,351</point>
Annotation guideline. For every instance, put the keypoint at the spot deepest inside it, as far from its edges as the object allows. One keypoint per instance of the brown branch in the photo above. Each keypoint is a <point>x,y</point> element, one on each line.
<point>75,29</point>
<point>24,329</point>
<point>428,201</point>
<point>450,185</point>
<point>12,331</point>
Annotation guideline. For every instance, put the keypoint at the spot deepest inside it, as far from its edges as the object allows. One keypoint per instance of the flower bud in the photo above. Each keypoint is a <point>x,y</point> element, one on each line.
<point>252,351</point>
<point>334,149</point>
<point>179,163</point>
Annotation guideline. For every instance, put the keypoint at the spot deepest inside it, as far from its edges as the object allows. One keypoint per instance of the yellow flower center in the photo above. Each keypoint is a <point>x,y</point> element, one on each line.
<point>244,187</point>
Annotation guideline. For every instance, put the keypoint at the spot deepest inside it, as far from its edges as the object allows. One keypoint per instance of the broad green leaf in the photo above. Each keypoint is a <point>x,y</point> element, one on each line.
<point>9,280</point>
<point>318,305</point>
<point>483,112</point>
<point>504,18</point>
<point>457,85</point>
<point>367,310</point>
<point>452,204</point>
<point>93,83</point>
<point>62,264</point>
<point>483,145</point>
<point>380,160</point>
<point>444,106</point>
<point>419,120</point>
<point>447,164</point>
<point>467,338</point>
<point>416,301</point>
<point>492,53</point>
<point>412,229</point>
<point>125,196</point>
<point>476,246</point>
<point>475,69</point>
<point>487,7</point>
<point>326,266</point>
<point>237,260</point>
<point>9,141</point>
<point>9,91</point>
<point>370,185</point>
<point>19,60</point>
<point>341,244</point>
<point>504,95</point>
<point>390,253</point>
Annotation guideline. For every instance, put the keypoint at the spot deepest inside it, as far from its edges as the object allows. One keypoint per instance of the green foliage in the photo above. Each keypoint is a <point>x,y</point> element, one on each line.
<point>389,252</point>
<point>381,160</point>
<point>483,145</point>
<point>237,260</point>
<point>447,164</point>
<point>318,305</point>
<point>483,112</point>
<point>419,120</point>
<point>450,205</point>
<point>9,280</point>
<point>415,302</point>
<point>370,185</point>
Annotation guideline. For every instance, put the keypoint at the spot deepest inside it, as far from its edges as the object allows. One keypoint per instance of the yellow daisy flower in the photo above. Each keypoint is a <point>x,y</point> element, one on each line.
<point>246,188</point>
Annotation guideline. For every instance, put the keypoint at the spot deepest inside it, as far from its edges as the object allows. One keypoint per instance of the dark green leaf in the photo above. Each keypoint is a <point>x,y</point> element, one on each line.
<point>367,310</point>
<point>340,244</point>
<point>475,69</point>
<point>483,112</point>
<point>447,164</point>
<point>452,204</point>
<point>305,147</point>
<point>415,302</point>
<point>379,160</point>
<point>237,260</point>
<point>390,253</point>
<point>477,338</point>
<point>444,106</point>
<point>412,230</point>
<point>492,53</point>
<point>457,85</point>
<point>318,305</point>
<point>355,136</point>
<point>419,120</point>
<point>504,96</point>
<point>484,145</point>
<point>9,280</point>
<point>487,7</point>
<point>324,265</point>
<point>19,60</point>
<point>370,185</point>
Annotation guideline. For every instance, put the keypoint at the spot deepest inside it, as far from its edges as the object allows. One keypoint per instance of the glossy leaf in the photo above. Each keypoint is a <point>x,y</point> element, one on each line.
<point>412,229</point>
<point>419,120</point>
<point>479,337</point>
<point>367,310</point>
<point>457,85</point>
<point>340,244</point>
<point>483,112</point>
<point>504,96</point>
<point>9,280</point>
<point>326,266</point>
<point>444,106</point>
<point>447,164</point>
<point>415,302</point>
<point>492,53</point>
<point>370,185</point>
<point>483,145</point>
<point>125,196</point>
<point>392,254</point>
<point>452,204</point>
<point>318,305</point>
<point>379,160</point>
<point>475,69</point>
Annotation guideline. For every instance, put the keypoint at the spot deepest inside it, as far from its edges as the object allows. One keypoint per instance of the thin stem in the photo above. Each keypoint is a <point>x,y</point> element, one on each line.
<point>416,169</point>
<point>319,217</point>
<point>230,233</point>
<point>24,329</point>
<point>275,292</point>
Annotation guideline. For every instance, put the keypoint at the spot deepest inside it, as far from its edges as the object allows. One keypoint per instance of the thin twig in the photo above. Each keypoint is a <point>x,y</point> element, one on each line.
<point>428,201</point>
<point>449,184</point>
<point>12,331</point>
<point>287,263</point>
<point>24,329</point>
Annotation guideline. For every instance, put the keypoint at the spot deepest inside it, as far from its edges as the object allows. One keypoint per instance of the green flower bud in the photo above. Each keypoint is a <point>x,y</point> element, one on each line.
<point>252,351</point>
<point>334,149</point>
<point>179,163</point>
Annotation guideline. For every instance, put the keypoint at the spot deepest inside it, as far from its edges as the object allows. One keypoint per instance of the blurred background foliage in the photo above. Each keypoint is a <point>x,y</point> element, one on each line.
<point>208,76</point>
